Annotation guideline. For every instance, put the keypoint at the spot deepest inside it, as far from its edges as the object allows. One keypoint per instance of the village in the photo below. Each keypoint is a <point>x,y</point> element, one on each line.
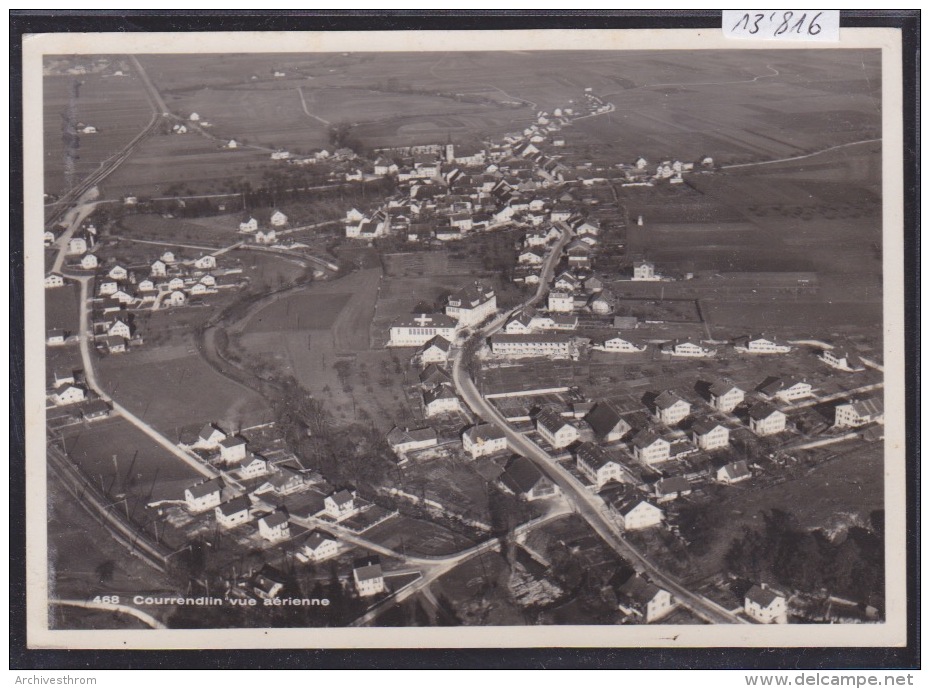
<point>691,414</point>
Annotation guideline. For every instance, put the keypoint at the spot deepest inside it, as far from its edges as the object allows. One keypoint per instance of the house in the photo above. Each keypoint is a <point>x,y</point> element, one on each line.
<point>440,400</point>
<point>268,583</point>
<point>734,472</point>
<point>88,262</point>
<point>232,513</point>
<point>418,329</point>
<point>670,409</point>
<point>368,577</point>
<point>622,345</point>
<point>764,419</point>
<point>551,346</point>
<point>95,409</point>
<point>146,285</point>
<point>561,302</point>
<point>483,439</point>
<point>340,505</point>
<point>671,488</point>
<point>275,526</point>
<point>176,283</point>
<point>687,348</point>
<point>204,495</point>
<point>107,287</point>
<point>606,422</point>
<point>724,396</point>
<point>597,465</point>
<point>253,466</point>
<point>530,257</point>
<point>123,297</point>
<point>644,270</point>
<point>519,324</point>
<point>48,237</point>
<point>555,429</point>
<point>114,344</point>
<point>472,304</point>
<point>523,479</point>
<point>55,337</point>
<point>169,258</point>
<point>67,394</point>
<point>710,435</point>
<point>318,546</point>
<point>644,600</point>
<point>432,376</point>
<point>194,117</point>
<point>759,345</point>
<point>635,513</point>
<point>77,245</point>
<point>403,440</point>
<point>118,273</point>
<point>209,438</point>
<point>53,280</point>
<point>232,449</point>
<point>593,285</point>
<point>119,328</point>
<point>841,359</point>
<point>249,225</point>
<point>650,448</point>
<point>266,237</point>
<point>765,605</point>
<point>859,413</point>
<point>208,280</point>
<point>207,262</point>
<point>794,390</point>
<point>284,481</point>
<point>384,166</point>
<point>435,351</point>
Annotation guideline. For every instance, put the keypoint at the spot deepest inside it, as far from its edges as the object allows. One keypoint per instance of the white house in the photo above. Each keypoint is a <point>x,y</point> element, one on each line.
<point>278,219</point>
<point>418,329</point>
<point>734,472</point>
<point>368,577</point>
<point>687,348</point>
<point>318,546</point>
<point>644,271</point>
<point>435,351</point>
<point>794,390</point>
<point>523,479</point>
<point>234,512</point>
<point>403,440</point>
<point>207,262</point>
<point>650,448</point>
<point>841,359</point>
<point>530,257</point>
<point>232,449</point>
<point>176,298</point>
<point>159,269</point>
<point>168,257</point>
<point>635,513</point>
<point>622,345</point>
<point>766,605</point>
<point>77,245</point>
<point>670,409</point>
<point>764,419</point>
<point>53,280</point>
<point>472,304</point>
<point>555,429</point>
<point>606,422</point>
<point>725,396</point>
<point>117,272</point>
<point>597,465</point>
<point>440,400</point>
<point>107,287</point>
<point>119,328</point>
<point>209,438</point>
<point>759,345</point>
<point>248,226</point>
<point>88,262</point>
<point>67,394</point>
<point>253,466</point>
<point>551,346</point>
<point>194,117</point>
<point>561,302</point>
<point>859,413</point>
<point>644,600</point>
<point>483,439</point>
<point>266,237</point>
<point>275,526</point>
<point>204,495</point>
<point>710,435</point>
<point>340,505</point>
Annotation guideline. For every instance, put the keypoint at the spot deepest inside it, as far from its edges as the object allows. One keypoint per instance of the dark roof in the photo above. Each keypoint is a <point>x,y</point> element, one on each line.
<point>368,572</point>
<point>424,320</point>
<point>670,486</point>
<point>645,438</point>
<point>440,392</point>
<point>761,410</point>
<point>484,431</point>
<point>722,387</point>
<point>432,374</point>
<point>629,502</point>
<point>399,436</point>
<point>209,430</point>
<point>437,341</point>
<point>316,539</point>
<point>705,426</point>
<point>530,337</point>
<point>472,295</point>
<point>638,591</point>
<point>268,578</point>
<point>551,420</point>
<point>771,385</point>
<point>737,469</point>
<point>275,518</point>
<point>871,406</point>
<point>763,596</point>
<point>342,497</point>
<point>593,455</point>
<point>204,488</point>
<point>235,506</point>
<point>667,399</point>
<point>232,441</point>
<point>521,475</point>
<point>602,419</point>
<point>95,407</point>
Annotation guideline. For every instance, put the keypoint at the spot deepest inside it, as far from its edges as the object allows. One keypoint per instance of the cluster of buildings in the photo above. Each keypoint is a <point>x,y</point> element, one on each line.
<point>264,235</point>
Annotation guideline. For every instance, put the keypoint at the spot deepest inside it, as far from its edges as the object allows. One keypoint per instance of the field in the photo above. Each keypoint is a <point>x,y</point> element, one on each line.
<point>116,106</point>
<point>414,536</point>
<point>477,590</point>
<point>454,483</point>
<point>61,307</point>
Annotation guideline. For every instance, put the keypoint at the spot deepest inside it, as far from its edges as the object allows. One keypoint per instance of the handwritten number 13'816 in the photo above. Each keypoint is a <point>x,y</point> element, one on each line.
<point>750,23</point>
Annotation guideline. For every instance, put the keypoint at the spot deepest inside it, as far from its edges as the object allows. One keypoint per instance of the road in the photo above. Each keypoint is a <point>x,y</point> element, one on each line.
<point>588,505</point>
<point>800,157</point>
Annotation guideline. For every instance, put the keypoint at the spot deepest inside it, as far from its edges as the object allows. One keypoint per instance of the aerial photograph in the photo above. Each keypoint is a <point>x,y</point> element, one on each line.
<point>452,338</point>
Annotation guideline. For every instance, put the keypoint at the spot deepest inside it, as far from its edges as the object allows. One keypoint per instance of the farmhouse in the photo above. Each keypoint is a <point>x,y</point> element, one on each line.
<point>253,466</point>
<point>233,512</point>
<point>114,344</point>
<point>555,429</point>
<point>55,337</point>
<point>523,479</point>
<point>418,329</point>
<point>734,472</point>
<point>687,348</point>
<point>669,408</point>
<point>759,345</point>
<point>765,605</point>
<point>403,440</point>
<point>606,422</point>
<point>77,245</point>
<point>597,465</point>
<point>841,359</point>
<point>340,505</point>
<point>644,600</point>
<point>284,481</point>
<point>274,526</point>
<point>855,414</point>
<point>53,280</point>
<point>209,438</point>
<point>88,261</point>
<point>268,583</point>
<point>650,448</point>
<point>764,419</point>
<point>710,435</point>
<point>319,546</point>
<point>204,495</point>
<point>552,346</point>
<point>67,394</point>
<point>232,449</point>
<point>668,489</point>
<point>435,351</point>
<point>368,577</point>
<point>566,282</point>
<point>483,439</point>
<point>95,409</point>
<point>725,396</point>
<point>440,400</point>
<point>622,345</point>
<point>635,513</point>
<point>472,304</point>
<point>207,262</point>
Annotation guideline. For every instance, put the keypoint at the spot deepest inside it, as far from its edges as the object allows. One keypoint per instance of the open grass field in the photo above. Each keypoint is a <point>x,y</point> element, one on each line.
<point>116,106</point>
<point>454,483</point>
<point>414,536</point>
<point>151,227</point>
<point>299,312</point>
<point>61,307</point>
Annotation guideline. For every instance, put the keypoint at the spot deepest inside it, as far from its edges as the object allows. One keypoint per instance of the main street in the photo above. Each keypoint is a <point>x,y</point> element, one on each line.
<point>585,503</point>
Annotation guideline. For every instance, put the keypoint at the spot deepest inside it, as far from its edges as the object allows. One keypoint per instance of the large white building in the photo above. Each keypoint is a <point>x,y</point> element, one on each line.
<point>471,304</point>
<point>764,419</point>
<point>418,329</point>
<point>854,414</point>
<point>483,439</point>
<point>760,345</point>
<point>765,605</point>
<point>552,346</point>
<point>555,429</point>
<point>597,465</point>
